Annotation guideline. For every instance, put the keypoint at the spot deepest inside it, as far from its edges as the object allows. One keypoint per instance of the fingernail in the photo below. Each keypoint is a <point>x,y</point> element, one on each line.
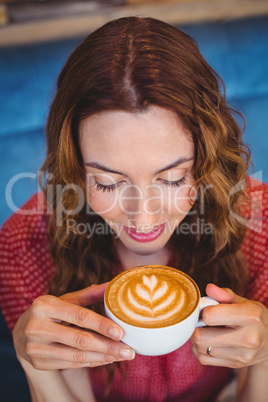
<point>115,333</point>
<point>127,353</point>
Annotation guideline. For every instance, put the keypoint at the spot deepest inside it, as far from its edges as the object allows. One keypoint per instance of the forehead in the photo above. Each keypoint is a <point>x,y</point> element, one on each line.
<point>153,138</point>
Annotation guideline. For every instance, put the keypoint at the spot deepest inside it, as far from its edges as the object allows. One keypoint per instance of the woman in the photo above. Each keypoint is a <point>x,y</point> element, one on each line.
<point>145,165</point>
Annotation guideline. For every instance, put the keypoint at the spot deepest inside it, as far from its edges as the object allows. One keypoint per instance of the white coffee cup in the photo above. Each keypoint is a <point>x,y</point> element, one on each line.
<point>166,339</point>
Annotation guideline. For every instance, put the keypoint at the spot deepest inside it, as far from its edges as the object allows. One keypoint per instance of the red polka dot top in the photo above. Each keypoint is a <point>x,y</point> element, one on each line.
<point>26,268</point>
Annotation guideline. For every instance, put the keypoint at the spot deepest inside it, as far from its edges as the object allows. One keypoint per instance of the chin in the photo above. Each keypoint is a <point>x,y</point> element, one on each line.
<point>145,248</point>
<point>145,252</point>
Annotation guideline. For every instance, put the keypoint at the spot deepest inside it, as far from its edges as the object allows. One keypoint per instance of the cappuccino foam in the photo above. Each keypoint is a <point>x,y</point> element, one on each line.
<point>152,296</point>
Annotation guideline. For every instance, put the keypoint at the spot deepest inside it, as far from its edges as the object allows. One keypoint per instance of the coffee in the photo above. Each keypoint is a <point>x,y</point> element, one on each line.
<point>152,296</point>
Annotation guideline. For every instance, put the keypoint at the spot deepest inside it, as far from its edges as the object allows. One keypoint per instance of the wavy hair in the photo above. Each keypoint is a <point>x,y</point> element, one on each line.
<point>129,64</point>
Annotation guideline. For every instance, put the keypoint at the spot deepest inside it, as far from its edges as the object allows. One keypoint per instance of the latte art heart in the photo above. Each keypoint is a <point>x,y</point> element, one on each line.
<point>152,300</point>
<point>151,296</point>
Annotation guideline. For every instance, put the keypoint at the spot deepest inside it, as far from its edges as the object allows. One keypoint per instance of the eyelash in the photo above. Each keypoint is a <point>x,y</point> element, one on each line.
<point>112,187</point>
<point>176,183</point>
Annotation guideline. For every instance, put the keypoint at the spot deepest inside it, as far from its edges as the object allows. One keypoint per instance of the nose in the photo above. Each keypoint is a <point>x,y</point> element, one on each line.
<point>142,205</point>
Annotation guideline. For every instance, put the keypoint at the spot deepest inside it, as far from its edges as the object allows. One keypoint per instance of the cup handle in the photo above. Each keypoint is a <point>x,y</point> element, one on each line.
<point>205,302</point>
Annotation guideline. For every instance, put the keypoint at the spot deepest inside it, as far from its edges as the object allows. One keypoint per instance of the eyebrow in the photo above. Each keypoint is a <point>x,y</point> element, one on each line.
<point>178,162</point>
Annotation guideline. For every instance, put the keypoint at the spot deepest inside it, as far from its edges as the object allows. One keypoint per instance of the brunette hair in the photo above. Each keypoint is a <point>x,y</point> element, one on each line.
<point>129,64</point>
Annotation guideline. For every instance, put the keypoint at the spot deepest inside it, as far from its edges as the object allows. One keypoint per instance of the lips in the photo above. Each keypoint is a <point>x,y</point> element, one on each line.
<point>144,237</point>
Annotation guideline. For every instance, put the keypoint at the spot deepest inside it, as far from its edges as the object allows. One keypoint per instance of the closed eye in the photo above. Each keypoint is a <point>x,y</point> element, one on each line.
<point>106,188</point>
<point>176,183</point>
<point>111,187</point>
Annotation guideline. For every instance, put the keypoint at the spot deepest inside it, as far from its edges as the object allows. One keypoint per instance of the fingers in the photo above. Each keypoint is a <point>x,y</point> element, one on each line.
<point>227,357</point>
<point>72,347</point>
<point>65,353</point>
<point>86,341</point>
<point>213,360</point>
<point>48,364</point>
<point>230,347</point>
<point>44,356</point>
<point>85,297</point>
<point>60,310</point>
<point>226,337</point>
<point>219,336</point>
<point>238,314</point>
<point>222,295</point>
<point>42,337</point>
<point>236,331</point>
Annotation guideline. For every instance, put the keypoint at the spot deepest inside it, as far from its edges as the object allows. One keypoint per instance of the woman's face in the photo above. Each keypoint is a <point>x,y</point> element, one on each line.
<point>139,173</point>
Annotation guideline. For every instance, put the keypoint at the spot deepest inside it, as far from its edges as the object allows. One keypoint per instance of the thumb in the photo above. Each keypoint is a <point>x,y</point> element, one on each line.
<point>222,295</point>
<point>85,297</point>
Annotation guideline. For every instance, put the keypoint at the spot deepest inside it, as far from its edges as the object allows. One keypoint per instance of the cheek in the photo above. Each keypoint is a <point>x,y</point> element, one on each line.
<point>105,205</point>
<point>102,203</point>
<point>181,201</point>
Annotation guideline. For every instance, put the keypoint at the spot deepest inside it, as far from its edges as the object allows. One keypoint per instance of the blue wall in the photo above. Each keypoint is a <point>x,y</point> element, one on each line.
<point>237,50</point>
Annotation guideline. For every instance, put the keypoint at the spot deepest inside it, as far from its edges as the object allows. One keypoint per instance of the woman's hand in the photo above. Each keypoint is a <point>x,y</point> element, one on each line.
<point>237,332</point>
<point>43,337</point>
